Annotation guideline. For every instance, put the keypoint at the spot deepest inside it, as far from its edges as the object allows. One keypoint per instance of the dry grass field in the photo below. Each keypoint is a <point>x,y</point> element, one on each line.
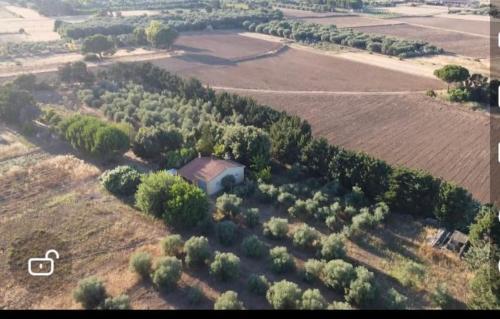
<point>481,28</point>
<point>36,26</point>
<point>351,21</point>
<point>54,193</point>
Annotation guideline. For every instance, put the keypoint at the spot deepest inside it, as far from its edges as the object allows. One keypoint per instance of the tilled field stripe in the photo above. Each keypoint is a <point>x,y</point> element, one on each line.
<point>224,88</point>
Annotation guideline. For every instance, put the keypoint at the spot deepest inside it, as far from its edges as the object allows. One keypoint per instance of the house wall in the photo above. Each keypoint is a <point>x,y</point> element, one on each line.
<point>215,186</point>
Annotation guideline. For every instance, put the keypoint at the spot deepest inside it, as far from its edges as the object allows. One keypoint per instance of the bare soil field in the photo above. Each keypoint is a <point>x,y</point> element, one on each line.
<point>417,10</point>
<point>294,13</point>
<point>454,42</point>
<point>290,70</point>
<point>351,21</point>
<point>36,26</point>
<point>411,130</point>
<point>481,28</point>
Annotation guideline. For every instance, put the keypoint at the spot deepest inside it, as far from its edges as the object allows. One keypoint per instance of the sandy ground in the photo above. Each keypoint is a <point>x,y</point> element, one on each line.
<point>51,63</point>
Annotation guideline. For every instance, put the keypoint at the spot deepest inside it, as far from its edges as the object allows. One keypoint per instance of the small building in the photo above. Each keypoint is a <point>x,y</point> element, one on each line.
<point>457,243</point>
<point>208,172</point>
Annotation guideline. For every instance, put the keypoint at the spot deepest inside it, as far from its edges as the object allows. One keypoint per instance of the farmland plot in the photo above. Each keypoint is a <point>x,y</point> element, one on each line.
<point>36,27</point>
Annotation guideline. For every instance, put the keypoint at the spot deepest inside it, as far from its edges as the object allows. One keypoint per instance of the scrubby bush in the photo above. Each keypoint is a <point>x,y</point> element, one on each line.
<point>281,261</point>
<point>441,298</point>
<point>225,267</point>
<point>228,301</point>
<point>313,300</point>
<point>167,273</point>
<point>338,305</point>
<point>394,300</point>
<point>306,237</point>
<point>286,200</point>
<point>313,269</point>
<point>90,293</point>
<point>172,245</point>
<point>258,284</point>
<point>338,274</point>
<point>276,228</point>
<point>194,295</point>
<point>197,251</point>
<point>253,247</point>
<point>177,202</point>
<point>226,232</point>
<point>333,247</point>
<point>267,193</point>
<point>141,263</point>
<point>251,216</point>
<point>121,302</point>
<point>122,180</point>
<point>361,290</point>
<point>284,295</point>
<point>228,204</point>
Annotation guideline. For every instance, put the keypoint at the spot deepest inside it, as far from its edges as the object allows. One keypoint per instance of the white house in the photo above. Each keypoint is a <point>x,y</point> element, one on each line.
<point>208,172</point>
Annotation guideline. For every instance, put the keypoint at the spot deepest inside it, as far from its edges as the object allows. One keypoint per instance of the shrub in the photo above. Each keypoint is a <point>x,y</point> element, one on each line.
<point>258,284</point>
<point>121,302</point>
<point>313,269</point>
<point>333,247</point>
<point>410,273</point>
<point>228,204</point>
<point>194,295</point>
<point>306,237</point>
<point>394,300</point>
<point>284,295</point>
<point>122,180</point>
<point>338,305</point>
<point>459,95</point>
<point>251,216</point>
<point>338,274</point>
<point>281,261</point>
<point>312,300</point>
<point>178,203</point>
<point>226,232</point>
<point>267,193</point>
<point>150,142</point>
<point>172,245</point>
<point>167,273</point>
<point>228,301</point>
<point>253,247</point>
<point>91,57</point>
<point>362,289</point>
<point>440,298</point>
<point>197,251</point>
<point>286,200</point>
<point>225,267</point>
<point>90,292</point>
<point>140,262</point>
<point>276,228</point>
<point>228,182</point>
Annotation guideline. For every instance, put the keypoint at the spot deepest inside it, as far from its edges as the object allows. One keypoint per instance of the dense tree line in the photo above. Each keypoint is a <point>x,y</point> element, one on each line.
<point>405,190</point>
<point>317,33</point>
<point>94,137</point>
<point>184,21</point>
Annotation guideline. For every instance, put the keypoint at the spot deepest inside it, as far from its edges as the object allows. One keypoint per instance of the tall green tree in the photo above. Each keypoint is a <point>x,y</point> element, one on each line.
<point>98,44</point>
<point>289,135</point>
<point>452,73</point>
<point>246,142</point>
<point>160,35</point>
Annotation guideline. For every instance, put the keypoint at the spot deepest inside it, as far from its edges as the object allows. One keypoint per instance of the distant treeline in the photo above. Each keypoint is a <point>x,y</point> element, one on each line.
<point>316,33</point>
<point>187,21</point>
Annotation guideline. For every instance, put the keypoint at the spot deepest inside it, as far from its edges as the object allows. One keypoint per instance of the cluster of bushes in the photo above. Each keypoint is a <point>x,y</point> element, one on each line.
<point>315,33</point>
<point>91,294</point>
<point>9,50</point>
<point>475,87</point>
<point>17,105</point>
<point>178,203</point>
<point>121,180</point>
<point>94,137</point>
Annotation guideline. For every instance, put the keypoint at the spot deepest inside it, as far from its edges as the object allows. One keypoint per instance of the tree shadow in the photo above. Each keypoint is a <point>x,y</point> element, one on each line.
<point>205,59</point>
<point>188,48</point>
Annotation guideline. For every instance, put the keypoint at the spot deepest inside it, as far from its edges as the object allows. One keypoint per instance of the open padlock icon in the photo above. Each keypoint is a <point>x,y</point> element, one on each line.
<point>42,266</point>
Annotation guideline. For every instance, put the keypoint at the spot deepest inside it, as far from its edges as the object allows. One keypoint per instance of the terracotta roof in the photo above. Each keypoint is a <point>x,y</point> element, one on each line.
<point>206,168</point>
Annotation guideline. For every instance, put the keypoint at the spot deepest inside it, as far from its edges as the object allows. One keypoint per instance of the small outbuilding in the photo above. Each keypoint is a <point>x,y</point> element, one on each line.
<point>208,172</point>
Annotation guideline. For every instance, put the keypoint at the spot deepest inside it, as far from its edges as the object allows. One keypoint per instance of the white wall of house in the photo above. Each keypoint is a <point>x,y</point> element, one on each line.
<point>215,186</point>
